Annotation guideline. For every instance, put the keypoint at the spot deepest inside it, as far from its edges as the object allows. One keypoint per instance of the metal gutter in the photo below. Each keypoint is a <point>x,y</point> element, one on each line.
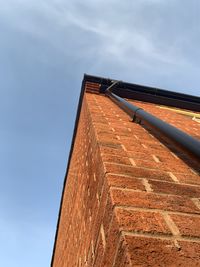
<point>184,141</point>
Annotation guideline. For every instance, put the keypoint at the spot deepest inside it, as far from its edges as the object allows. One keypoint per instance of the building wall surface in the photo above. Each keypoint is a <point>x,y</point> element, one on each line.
<point>130,199</point>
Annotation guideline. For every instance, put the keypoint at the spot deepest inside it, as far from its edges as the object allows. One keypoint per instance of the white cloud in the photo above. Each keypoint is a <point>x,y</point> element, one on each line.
<point>124,37</point>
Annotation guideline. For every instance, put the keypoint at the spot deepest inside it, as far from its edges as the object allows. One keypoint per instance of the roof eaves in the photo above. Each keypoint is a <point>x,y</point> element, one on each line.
<point>148,94</point>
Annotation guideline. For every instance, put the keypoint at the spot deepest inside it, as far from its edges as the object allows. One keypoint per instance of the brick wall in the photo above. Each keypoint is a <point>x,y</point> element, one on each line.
<point>130,198</point>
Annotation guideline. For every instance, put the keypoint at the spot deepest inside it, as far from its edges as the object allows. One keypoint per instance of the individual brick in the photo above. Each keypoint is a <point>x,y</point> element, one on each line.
<point>148,164</point>
<point>125,182</point>
<point>139,155</point>
<point>113,151</point>
<point>137,172</point>
<point>175,189</point>
<point>116,159</point>
<point>141,221</point>
<point>188,178</point>
<point>121,129</point>
<point>153,201</point>
<point>187,225</point>
<point>147,252</point>
<point>164,166</point>
<point>107,137</point>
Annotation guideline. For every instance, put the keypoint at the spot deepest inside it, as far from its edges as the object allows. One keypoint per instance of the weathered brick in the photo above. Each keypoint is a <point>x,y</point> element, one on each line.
<point>187,225</point>
<point>188,178</point>
<point>116,159</point>
<point>153,201</point>
<point>125,182</point>
<point>165,166</point>
<point>113,150</point>
<point>137,172</point>
<point>108,137</point>
<point>144,155</point>
<point>141,221</point>
<point>156,252</point>
<point>175,189</point>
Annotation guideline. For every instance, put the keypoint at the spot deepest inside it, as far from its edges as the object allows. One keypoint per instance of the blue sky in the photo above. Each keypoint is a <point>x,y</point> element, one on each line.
<point>45,48</point>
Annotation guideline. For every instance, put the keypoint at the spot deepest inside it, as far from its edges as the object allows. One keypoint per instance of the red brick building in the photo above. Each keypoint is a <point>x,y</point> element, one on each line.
<point>131,195</point>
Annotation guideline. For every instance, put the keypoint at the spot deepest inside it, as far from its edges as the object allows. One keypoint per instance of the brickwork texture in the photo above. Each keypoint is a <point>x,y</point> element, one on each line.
<point>130,199</point>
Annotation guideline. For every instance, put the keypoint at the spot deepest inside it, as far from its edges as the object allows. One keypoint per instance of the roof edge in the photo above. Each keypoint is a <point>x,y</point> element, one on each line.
<point>148,94</point>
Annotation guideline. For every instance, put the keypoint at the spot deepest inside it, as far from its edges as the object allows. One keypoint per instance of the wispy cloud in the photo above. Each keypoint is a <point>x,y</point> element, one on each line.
<point>127,31</point>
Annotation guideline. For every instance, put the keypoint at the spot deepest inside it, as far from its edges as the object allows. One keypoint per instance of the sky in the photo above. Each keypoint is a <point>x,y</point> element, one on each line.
<point>45,49</point>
